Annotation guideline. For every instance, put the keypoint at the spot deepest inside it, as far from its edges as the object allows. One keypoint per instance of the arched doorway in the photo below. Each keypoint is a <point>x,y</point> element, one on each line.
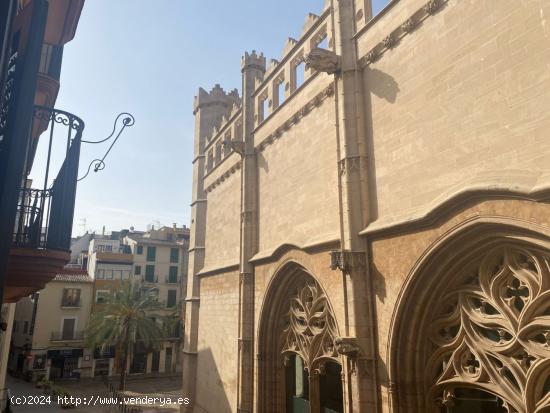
<point>299,366</point>
<point>473,328</point>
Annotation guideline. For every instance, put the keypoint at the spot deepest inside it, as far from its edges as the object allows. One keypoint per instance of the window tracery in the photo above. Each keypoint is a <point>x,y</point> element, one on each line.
<point>311,329</point>
<point>491,330</point>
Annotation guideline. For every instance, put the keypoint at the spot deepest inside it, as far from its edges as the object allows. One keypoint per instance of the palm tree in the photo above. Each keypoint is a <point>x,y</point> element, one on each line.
<point>123,320</point>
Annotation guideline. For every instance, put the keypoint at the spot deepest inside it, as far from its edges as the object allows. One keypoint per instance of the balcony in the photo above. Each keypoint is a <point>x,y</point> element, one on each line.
<point>67,336</point>
<point>66,303</point>
<point>49,71</point>
<point>149,280</point>
<point>44,220</point>
<point>172,280</point>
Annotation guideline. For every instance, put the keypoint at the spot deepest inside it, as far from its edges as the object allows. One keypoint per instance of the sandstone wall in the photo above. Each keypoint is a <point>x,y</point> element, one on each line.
<point>217,346</point>
<point>298,197</point>
<point>458,104</point>
<point>223,217</point>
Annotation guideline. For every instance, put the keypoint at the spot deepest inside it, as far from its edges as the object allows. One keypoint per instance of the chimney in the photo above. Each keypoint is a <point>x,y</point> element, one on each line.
<point>175,225</point>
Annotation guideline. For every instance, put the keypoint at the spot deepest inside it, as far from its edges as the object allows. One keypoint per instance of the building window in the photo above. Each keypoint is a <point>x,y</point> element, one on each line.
<point>171,301</point>
<point>101,296</point>
<point>151,253</point>
<point>298,74</point>
<point>139,249</point>
<point>150,273</point>
<point>174,254</point>
<point>100,274</point>
<point>279,90</point>
<point>68,330</point>
<point>137,270</point>
<point>173,275</point>
<point>108,274</point>
<point>101,367</point>
<point>71,297</point>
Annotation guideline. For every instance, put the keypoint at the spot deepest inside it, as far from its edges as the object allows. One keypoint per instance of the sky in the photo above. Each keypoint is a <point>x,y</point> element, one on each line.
<point>149,58</point>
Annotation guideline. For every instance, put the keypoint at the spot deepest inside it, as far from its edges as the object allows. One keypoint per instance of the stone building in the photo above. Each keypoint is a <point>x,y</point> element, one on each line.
<point>370,220</point>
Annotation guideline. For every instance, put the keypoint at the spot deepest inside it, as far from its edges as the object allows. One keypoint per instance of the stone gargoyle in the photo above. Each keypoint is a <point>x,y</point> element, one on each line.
<point>323,60</point>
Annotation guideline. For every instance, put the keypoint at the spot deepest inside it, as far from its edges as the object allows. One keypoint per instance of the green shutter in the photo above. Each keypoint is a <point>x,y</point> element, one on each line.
<point>174,255</point>
<point>151,253</point>
<point>150,273</point>
<point>173,275</point>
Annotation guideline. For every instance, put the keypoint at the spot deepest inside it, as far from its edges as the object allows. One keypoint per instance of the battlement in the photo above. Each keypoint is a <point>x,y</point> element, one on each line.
<point>253,60</point>
<point>216,96</point>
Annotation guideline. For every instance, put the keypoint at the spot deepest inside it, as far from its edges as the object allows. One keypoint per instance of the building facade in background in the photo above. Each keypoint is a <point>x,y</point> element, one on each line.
<point>48,330</point>
<point>370,220</point>
<point>49,327</point>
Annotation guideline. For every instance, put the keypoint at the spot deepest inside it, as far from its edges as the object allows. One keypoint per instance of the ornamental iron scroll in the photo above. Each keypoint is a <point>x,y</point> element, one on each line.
<point>492,331</point>
<point>128,120</point>
<point>311,330</point>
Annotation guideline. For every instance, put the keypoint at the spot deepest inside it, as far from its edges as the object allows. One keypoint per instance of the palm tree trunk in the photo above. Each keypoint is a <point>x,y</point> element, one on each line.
<point>125,346</point>
<point>122,383</point>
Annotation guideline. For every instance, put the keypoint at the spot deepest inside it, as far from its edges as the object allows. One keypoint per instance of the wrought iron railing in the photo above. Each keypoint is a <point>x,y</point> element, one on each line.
<point>67,335</point>
<point>45,216</point>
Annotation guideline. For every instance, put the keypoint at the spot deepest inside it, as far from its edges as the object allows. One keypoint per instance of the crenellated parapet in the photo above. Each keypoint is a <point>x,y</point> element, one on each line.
<point>285,76</point>
<point>217,96</point>
<point>268,84</point>
<point>253,61</point>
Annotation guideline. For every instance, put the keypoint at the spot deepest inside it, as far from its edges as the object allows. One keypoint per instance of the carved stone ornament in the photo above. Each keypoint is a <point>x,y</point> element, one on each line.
<point>372,56</point>
<point>230,145</point>
<point>322,60</point>
<point>311,329</point>
<point>347,260</point>
<point>347,346</point>
<point>432,6</point>
<point>491,330</point>
<point>389,41</point>
<point>409,25</point>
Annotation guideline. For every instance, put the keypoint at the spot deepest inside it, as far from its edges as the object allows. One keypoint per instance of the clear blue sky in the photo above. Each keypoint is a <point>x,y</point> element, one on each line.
<point>149,58</point>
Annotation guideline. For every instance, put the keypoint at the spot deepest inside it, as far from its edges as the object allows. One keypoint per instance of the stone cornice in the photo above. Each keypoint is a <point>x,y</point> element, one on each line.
<point>405,28</point>
<point>218,270</point>
<point>224,176</point>
<point>297,116</point>
<point>278,132</point>
<point>441,206</point>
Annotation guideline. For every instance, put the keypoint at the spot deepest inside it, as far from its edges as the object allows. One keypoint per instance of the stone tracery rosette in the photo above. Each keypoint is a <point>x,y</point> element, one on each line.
<point>491,331</point>
<point>311,329</point>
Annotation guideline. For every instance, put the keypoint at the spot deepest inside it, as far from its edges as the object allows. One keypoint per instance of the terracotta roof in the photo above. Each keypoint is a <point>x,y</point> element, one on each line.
<point>73,275</point>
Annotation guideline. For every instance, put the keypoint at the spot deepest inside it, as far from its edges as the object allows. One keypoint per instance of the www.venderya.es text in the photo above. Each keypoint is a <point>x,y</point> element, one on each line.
<point>97,400</point>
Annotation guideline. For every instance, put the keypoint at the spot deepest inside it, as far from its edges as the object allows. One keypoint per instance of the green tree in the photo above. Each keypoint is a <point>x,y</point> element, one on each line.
<point>123,320</point>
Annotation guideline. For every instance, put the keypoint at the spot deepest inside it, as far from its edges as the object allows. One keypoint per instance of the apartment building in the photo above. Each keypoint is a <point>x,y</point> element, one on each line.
<point>160,263</point>
<point>48,329</point>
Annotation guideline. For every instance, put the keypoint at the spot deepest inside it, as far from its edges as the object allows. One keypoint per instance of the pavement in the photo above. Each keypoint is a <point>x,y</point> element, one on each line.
<point>26,398</point>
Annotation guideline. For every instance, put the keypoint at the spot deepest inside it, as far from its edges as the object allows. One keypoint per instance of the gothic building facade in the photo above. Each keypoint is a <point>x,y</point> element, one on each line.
<point>370,217</point>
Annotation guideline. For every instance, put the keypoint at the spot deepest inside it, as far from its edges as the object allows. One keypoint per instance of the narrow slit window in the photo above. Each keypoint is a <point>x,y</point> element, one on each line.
<point>281,92</point>
<point>300,73</point>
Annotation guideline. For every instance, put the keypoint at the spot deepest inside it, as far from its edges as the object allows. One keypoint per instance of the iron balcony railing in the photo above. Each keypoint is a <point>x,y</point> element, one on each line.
<point>70,303</point>
<point>45,215</point>
<point>67,335</point>
<point>150,280</point>
<point>172,280</point>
